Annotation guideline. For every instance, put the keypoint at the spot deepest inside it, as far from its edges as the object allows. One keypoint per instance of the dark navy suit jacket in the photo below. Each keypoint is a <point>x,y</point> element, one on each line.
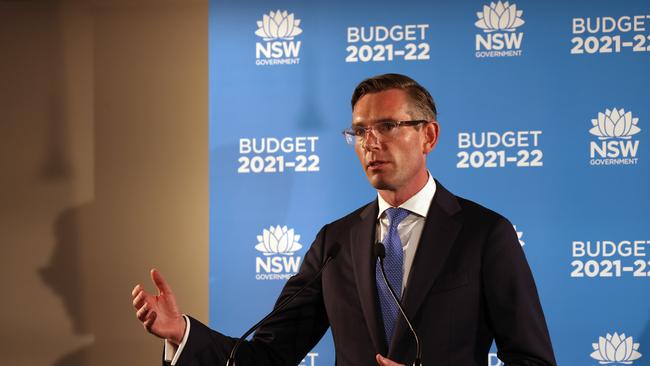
<point>469,284</point>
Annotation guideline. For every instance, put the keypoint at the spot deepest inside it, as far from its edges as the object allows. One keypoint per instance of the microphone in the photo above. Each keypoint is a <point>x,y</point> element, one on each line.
<point>380,253</point>
<point>334,250</point>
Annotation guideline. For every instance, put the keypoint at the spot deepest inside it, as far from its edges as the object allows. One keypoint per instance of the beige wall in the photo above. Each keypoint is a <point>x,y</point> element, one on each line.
<point>104,161</point>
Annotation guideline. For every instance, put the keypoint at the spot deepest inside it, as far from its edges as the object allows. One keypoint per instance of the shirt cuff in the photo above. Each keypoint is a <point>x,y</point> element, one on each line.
<point>173,352</point>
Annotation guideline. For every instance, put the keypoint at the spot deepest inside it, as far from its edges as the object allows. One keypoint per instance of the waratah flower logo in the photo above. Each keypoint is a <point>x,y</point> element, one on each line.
<point>278,24</point>
<point>499,16</point>
<point>278,240</point>
<point>615,123</point>
<point>615,348</point>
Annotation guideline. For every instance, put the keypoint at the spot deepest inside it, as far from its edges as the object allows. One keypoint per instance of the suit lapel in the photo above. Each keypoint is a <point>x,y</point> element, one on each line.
<point>363,236</point>
<point>438,236</point>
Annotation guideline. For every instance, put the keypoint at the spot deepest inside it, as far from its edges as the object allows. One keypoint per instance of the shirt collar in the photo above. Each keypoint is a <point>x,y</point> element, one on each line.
<point>418,204</point>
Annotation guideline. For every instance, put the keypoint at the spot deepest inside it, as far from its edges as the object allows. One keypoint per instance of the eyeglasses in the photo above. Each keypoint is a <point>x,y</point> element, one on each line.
<point>384,130</point>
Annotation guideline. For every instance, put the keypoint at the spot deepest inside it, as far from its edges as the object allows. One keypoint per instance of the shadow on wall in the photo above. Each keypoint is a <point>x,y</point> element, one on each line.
<point>63,275</point>
<point>103,117</point>
<point>46,149</point>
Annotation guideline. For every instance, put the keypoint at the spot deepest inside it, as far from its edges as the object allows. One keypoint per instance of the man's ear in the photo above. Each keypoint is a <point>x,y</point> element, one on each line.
<point>431,132</point>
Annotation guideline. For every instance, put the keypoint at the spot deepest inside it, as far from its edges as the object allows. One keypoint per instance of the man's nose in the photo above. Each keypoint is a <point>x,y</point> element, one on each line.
<point>370,139</point>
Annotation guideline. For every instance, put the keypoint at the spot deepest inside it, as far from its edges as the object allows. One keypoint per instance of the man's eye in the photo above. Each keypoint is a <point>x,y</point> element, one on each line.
<point>386,127</point>
<point>359,131</point>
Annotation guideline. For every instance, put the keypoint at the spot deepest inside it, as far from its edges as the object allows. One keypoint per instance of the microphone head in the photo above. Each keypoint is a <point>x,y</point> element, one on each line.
<point>379,250</point>
<point>334,250</point>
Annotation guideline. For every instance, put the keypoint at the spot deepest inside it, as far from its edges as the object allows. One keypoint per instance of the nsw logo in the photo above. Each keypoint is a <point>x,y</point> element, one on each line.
<point>615,123</point>
<point>499,22</point>
<point>278,245</point>
<point>615,349</point>
<point>278,240</point>
<point>278,30</point>
<point>614,129</point>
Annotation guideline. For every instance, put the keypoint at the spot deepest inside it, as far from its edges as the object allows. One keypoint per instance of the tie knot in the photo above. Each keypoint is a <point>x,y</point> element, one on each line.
<point>396,215</point>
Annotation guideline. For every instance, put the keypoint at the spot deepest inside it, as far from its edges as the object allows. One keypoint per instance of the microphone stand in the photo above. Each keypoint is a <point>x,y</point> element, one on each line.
<point>332,254</point>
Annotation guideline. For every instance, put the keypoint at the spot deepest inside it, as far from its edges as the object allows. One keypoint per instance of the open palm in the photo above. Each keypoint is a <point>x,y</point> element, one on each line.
<point>159,314</point>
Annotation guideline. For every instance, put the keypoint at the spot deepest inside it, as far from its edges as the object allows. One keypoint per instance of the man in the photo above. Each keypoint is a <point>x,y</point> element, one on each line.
<point>459,268</point>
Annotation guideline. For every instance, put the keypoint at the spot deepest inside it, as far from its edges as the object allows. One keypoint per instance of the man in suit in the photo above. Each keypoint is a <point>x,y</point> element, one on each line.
<point>460,271</point>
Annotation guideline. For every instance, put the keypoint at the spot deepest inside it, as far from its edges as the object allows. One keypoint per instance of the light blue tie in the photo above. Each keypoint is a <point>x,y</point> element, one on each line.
<point>394,266</point>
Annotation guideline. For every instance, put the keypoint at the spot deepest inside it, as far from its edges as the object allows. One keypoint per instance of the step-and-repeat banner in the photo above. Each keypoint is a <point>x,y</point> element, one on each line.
<point>544,108</point>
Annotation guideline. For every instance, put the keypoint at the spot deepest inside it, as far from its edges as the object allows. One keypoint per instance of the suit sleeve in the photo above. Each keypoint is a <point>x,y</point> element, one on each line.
<point>514,308</point>
<point>284,339</point>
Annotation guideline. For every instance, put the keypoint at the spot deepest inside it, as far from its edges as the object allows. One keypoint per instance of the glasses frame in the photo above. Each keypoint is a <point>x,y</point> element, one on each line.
<point>351,134</point>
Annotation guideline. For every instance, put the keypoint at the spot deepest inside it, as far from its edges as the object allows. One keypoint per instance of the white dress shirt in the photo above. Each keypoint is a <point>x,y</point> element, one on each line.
<point>410,231</point>
<point>173,352</point>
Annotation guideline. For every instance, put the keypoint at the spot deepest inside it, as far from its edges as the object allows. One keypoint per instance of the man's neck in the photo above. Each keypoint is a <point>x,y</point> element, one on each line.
<point>397,197</point>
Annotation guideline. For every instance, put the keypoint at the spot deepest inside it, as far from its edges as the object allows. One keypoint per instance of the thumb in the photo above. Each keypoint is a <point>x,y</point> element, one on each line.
<point>383,361</point>
<point>160,282</point>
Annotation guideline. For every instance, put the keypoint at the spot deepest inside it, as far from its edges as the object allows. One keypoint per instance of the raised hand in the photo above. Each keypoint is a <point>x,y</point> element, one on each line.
<point>159,314</point>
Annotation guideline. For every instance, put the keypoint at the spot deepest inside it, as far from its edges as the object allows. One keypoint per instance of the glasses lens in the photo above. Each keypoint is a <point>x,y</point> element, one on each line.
<point>385,128</point>
<point>349,136</point>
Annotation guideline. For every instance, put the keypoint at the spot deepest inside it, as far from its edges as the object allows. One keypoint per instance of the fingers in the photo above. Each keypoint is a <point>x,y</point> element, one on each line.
<point>380,359</point>
<point>143,312</point>
<point>144,303</point>
<point>383,361</point>
<point>136,289</point>
<point>149,320</point>
<point>139,299</point>
<point>146,316</point>
<point>160,282</point>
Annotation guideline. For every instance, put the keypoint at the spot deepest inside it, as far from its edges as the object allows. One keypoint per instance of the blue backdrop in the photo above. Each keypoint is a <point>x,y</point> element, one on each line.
<point>544,110</point>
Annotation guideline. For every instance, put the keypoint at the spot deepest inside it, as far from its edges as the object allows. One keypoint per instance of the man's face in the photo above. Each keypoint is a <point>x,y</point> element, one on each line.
<point>398,164</point>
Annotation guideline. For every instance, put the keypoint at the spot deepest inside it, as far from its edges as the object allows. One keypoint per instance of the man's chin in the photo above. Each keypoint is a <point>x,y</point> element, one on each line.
<point>377,182</point>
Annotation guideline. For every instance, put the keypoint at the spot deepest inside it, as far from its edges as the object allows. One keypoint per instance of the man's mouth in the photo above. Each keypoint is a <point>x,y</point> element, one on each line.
<point>374,164</point>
